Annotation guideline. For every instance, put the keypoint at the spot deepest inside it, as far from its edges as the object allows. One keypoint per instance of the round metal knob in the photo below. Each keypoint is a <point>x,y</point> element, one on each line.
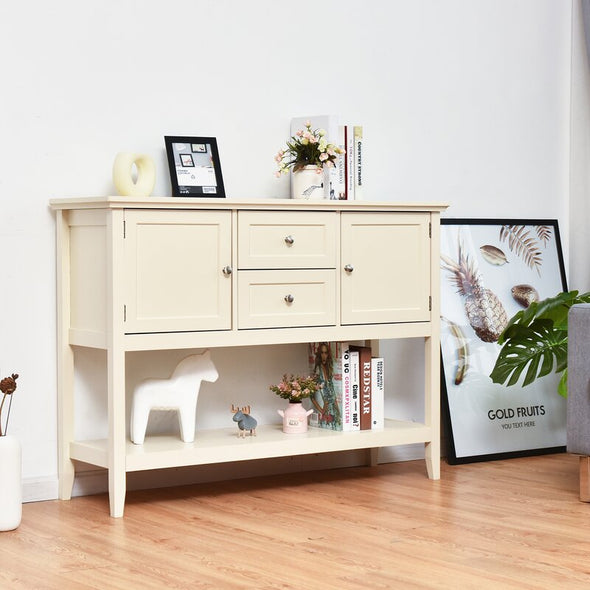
<point>227,270</point>
<point>289,240</point>
<point>349,268</point>
<point>289,298</point>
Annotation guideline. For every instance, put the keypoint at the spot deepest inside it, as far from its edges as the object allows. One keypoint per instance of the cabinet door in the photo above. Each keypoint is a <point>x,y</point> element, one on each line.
<point>385,267</point>
<point>174,263</point>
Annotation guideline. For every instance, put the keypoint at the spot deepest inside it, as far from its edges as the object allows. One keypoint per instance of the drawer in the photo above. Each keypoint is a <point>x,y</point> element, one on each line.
<point>286,298</point>
<point>287,239</point>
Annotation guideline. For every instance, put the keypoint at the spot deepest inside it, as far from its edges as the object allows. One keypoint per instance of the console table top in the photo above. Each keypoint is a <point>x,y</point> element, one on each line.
<point>114,202</point>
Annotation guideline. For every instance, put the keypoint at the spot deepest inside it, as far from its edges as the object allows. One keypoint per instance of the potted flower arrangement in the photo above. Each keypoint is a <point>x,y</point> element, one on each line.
<point>295,389</point>
<point>307,153</point>
<point>10,464</point>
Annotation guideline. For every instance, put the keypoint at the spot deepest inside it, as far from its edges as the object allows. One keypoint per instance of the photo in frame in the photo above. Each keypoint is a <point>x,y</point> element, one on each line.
<point>195,168</point>
<point>495,267</point>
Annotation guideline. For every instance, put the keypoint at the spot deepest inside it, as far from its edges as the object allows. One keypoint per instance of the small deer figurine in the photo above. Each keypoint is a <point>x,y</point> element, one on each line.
<point>245,421</point>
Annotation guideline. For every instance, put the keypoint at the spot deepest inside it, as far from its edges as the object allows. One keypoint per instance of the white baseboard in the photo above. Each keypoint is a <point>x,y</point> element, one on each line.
<point>36,489</point>
<point>95,481</point>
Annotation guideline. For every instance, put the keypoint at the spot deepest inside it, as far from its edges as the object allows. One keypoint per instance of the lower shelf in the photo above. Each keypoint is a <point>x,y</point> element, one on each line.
<point>224,445</point>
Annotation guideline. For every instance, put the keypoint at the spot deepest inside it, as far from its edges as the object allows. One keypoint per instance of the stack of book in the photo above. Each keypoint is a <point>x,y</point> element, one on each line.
<point>345,181</point>
<point>351,396</point>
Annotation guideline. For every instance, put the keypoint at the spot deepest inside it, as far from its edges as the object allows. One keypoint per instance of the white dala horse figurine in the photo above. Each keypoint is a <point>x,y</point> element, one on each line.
<point>179,392</point>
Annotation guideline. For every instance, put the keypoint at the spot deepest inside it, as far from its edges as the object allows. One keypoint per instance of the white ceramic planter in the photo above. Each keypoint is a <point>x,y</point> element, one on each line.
<point>294,418</point>
<point>10,483</point>
<point>307,183</point>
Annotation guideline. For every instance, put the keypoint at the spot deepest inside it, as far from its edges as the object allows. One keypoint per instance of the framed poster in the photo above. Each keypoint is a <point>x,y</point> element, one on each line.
<point>490,270</point>
<point>195,169</point>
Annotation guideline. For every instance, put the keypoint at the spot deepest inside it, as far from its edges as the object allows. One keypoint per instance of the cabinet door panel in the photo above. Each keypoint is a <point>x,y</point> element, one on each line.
<point>174,271</point>
<point>389,254</point>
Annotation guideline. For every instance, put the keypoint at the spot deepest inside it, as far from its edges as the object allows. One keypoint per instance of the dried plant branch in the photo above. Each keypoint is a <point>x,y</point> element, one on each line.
<point>523,245</point>
<point>544,233</point>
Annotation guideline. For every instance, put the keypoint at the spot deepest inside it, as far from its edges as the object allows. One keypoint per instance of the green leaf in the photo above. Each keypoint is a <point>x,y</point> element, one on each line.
<point>535,339</point>
<point>555,309</point>
<point>538,348</point>
<point>562,385</point>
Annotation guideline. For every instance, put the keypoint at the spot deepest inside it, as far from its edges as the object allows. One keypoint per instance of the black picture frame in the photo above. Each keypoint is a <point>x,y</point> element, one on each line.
<point>483,420</point>
<point>199,175</point>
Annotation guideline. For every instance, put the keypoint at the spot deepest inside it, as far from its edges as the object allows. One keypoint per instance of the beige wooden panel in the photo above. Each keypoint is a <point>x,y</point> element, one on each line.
<point>277,239</point>
<point>263,298</point>
<point>88,279</point>
<point>174,270</point>
<point>389,254</point>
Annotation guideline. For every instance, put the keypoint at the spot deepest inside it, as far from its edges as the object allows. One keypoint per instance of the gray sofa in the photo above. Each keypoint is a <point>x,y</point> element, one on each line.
<point>578,400</point>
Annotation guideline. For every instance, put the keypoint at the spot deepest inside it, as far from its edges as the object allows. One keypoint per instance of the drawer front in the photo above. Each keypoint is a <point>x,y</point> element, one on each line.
<point>286,298</point>
<point>287,239</point>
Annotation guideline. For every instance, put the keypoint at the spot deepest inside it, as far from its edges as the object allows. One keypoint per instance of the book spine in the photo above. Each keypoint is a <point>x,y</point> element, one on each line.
<point>331,179</point>
<point>365,387</point>
<point>358,162</point>
<point>327,402</point>
<point>315,400</point>
<point>355,398</point>
<point>346,390</point>
<point>337,381</point>
<point>377,394</point>
<point>350,163</point>
<point>364,384</point>
<point>340,188</point>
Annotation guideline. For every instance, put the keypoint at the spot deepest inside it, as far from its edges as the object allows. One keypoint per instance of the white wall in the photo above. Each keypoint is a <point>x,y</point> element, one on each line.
<point>461,101</point>
<point>580,156</point>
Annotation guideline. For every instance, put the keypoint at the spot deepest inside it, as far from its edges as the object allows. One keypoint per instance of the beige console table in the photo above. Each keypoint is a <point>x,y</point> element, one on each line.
<point>169,273</point>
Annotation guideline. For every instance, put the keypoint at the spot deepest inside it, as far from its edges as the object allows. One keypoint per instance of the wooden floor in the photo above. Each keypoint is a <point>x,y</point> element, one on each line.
<point>506,524</point>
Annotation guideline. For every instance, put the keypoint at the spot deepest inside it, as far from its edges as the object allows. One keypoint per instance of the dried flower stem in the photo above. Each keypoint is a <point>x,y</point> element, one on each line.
<point>7,387</point>
<point>1,406</point>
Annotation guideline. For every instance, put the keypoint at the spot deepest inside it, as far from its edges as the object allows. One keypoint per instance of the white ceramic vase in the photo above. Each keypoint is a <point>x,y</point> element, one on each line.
<point>307,183</point>
<point>10,483</point>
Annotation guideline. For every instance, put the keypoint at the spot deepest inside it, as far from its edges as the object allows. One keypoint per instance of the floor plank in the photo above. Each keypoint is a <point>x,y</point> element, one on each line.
<point>515,523</point>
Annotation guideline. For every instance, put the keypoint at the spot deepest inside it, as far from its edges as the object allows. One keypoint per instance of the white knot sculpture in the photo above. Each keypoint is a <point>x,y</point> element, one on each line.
<point>143,185</point>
